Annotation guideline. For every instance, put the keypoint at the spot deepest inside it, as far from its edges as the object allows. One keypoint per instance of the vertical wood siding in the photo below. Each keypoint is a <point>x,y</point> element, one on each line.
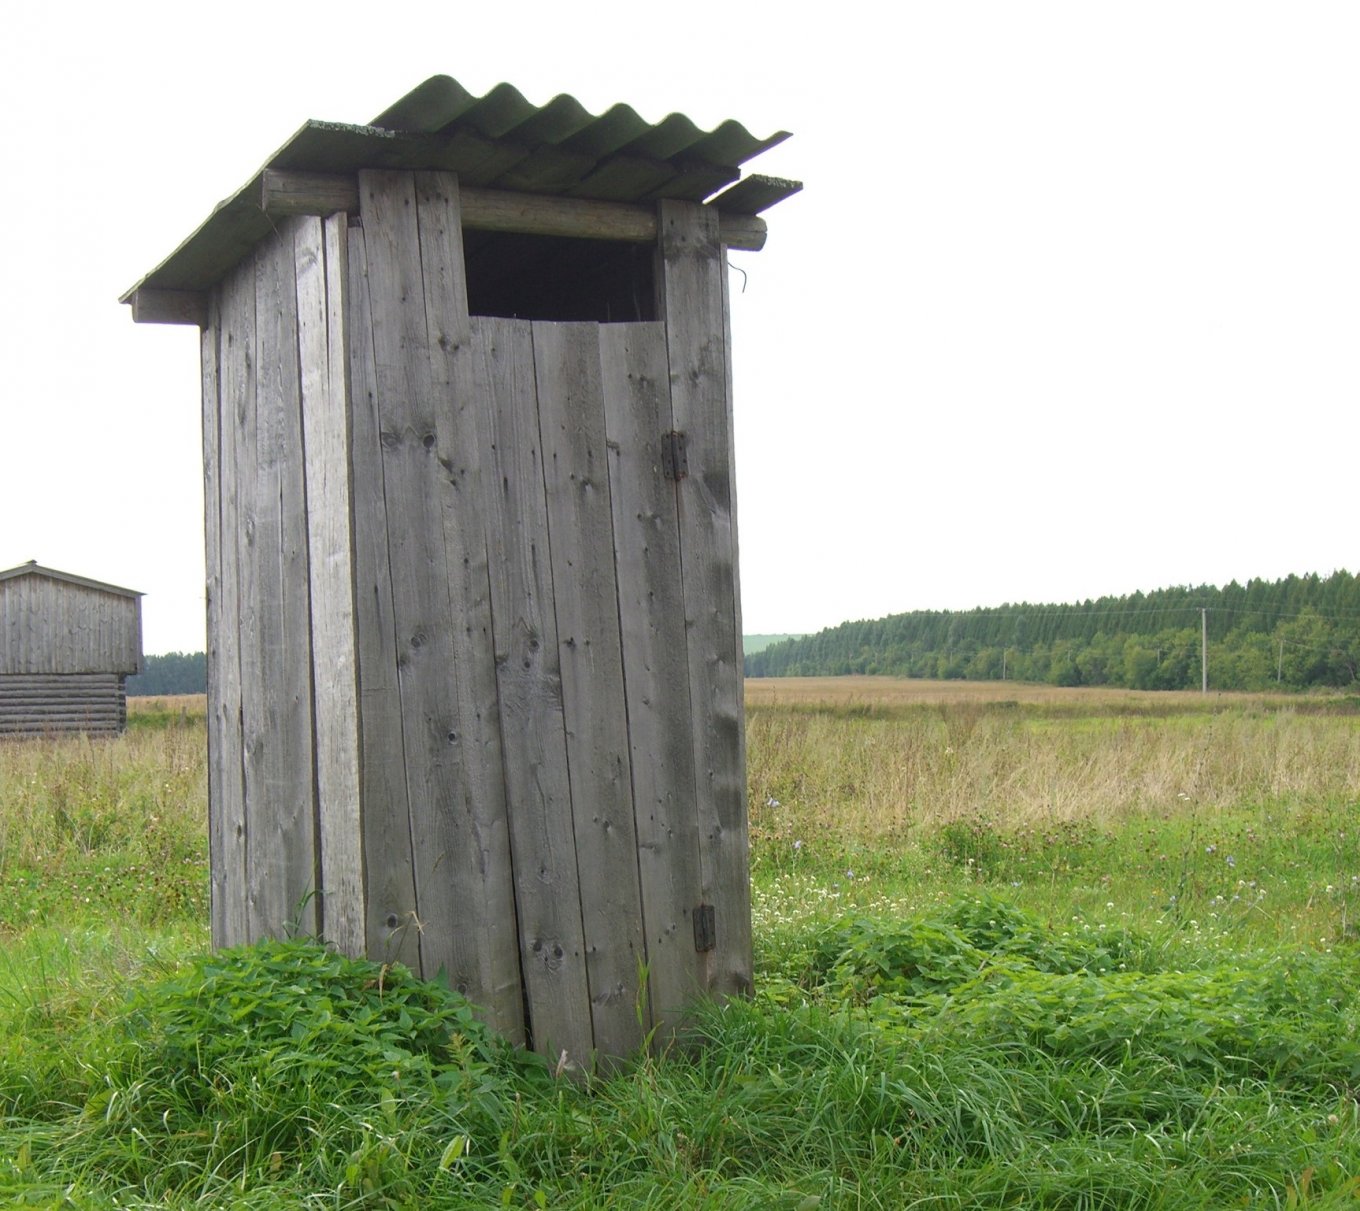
<point>432,652</point>
<point>262,834</point>
<point>449,568</point>
<point>320,249</point>
<point>49,625</point>
<point>646,538</point>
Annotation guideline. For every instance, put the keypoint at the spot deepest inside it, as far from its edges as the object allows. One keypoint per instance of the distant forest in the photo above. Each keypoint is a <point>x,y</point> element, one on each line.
<point>1296,633</point>
<point>173,673</point>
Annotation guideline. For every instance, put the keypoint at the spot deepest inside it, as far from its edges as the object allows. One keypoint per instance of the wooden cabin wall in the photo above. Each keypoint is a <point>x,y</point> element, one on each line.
<point>54,626</point>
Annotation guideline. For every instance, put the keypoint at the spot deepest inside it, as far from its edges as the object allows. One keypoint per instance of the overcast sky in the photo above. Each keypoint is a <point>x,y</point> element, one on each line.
<point>1070,304</point>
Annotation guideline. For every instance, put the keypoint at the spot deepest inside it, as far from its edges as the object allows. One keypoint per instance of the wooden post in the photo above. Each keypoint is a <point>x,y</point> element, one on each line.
<point>694,310</point>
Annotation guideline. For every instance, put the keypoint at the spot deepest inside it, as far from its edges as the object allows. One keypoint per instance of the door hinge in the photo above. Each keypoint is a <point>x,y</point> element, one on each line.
<point>705,928</point>
<point>674,455</point>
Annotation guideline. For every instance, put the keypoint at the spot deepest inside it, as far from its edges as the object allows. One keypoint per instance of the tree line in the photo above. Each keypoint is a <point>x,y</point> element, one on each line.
<point>1297,633</point>
<point>173,673</point>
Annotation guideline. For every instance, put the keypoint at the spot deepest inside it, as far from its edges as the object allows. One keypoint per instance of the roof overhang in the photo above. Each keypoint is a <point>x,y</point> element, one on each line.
<point>33,568</point>
<point>498,145</point>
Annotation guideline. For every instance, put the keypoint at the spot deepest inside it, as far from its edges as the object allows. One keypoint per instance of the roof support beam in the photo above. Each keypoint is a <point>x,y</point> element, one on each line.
<point>152,306</point>
<point>289,193</point>
<point>292,193</point>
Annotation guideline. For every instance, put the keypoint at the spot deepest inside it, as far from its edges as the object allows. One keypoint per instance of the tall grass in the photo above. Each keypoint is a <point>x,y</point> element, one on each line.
<point>90,825</point>
<point>1009,955</point>
<point>878,774</point>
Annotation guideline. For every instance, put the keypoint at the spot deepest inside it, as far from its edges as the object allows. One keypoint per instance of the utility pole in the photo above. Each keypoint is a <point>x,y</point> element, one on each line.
<point>1203,650</point>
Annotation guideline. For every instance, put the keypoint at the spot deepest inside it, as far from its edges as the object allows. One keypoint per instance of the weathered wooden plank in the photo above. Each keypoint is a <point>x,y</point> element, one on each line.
<point>280,788</point>
<point>479,947</point>
<point>392,923</point>
<point>152,306</point>
<point>309,193</point>
<point>691,291</point>
<point>738,629</point>
<point>580,526</point>
<point>321,267</point>
<point>236,460</point>
<point>210,369</point>
<point>548,893</point>
<point>407,417</point>
<point>655,663</point>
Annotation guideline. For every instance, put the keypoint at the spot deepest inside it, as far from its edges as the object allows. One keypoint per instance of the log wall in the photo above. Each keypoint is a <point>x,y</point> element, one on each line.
<point>48,704</point>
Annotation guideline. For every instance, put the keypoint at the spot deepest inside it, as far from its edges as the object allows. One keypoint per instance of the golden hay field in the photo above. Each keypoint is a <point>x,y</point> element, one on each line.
<point>189,704</point>
<point>899,691</point>
<point>891,691</point>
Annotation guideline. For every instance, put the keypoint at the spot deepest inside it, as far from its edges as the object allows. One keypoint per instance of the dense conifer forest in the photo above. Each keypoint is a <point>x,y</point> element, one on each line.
<point>173,673</point>
<point>1299,633</point>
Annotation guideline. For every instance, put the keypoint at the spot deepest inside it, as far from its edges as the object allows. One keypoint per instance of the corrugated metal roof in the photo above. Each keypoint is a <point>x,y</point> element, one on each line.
<point>33,568</point>
<point>499,141</point>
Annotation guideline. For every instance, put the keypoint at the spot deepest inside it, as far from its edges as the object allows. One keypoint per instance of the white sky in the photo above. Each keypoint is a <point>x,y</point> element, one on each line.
<point>1070,306</point>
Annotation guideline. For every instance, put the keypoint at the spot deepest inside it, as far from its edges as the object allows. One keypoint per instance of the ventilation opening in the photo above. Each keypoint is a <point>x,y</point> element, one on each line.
<point>541,277</point>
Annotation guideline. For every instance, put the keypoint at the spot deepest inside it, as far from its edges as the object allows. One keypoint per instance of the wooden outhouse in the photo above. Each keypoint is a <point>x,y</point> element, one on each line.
<point>474,643</point>
<point>67,646</point>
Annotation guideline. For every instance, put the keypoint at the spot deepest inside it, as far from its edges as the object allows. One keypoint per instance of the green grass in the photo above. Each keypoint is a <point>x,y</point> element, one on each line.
<point>1003,960</point>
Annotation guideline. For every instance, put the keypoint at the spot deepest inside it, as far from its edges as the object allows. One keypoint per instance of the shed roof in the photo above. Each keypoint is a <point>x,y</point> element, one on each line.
<point>498,141</point>
<point>33,568</point>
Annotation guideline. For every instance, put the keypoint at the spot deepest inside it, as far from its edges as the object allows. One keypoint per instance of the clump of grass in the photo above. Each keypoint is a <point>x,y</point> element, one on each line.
<point>280,1059</point>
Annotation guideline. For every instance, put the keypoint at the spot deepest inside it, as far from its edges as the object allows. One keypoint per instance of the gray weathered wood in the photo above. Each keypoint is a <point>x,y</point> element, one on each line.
<point>235,429</point>
<point>152,306</point>
<point>280,793</point>
<point>407,417</point>
<point>392,924</point>
<point>533,214</point>
<point>480,949</point>
<point>321,266</point>
<point>49,704</point>
<point>691,291</point>
<point>585,592</point>
<point>655,663</point>
<point>210,368</point>
<point>54,623</point>
<point>311,193</point>
<point>548,894</point>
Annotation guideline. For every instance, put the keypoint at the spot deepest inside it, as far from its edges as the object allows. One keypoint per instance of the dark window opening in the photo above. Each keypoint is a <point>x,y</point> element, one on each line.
<point>542,277</point>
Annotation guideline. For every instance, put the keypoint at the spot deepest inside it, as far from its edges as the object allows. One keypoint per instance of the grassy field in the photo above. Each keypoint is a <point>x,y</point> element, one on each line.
<point>1016,947</point>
